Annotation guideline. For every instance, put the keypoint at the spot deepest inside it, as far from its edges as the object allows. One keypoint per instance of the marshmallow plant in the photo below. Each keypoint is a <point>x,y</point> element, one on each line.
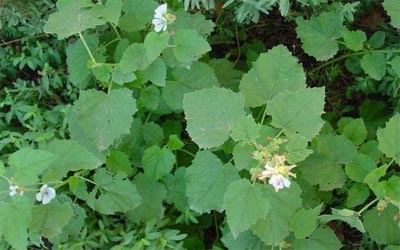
<point>163,139</point>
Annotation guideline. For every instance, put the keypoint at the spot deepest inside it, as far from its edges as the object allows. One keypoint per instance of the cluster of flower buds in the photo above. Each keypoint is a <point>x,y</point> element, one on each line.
<point>275,168</point>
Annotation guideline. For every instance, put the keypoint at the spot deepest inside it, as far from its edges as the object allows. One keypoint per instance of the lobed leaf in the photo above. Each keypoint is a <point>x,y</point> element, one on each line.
<point>319,35</point>
<point>257,205</point>
<point>71,18</point>
<point>211,114</point>
<point>207,180</point>
<point>98,119</point>
<point>273,73</point>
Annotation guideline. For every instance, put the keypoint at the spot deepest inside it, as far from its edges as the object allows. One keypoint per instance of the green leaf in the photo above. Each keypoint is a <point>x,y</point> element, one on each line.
<point>156,72</point>
<point>150,97</point>
<point>370,148</point>
<point>298,113</point>
<point>183,81</point>
<point>120,77</point>
<point>245,240</point>
<point>246,129</point>
<point>304,222</point>
<point>360,167</point>
<point>242,156</point>
<point>27,164</point>
<point>239,216</point>
<point>134,58</point>
<point>137,14</point>
<point>297,149</point>
<point>48,221</point>
<point>321,238</point>
<point>207,180</point>
<point>389,138</point>
<point>119,161</point>
<point>153,194</point>
<point>75,224</point>
<point>110,11</point>
<point>102,73</point>
<point>189,46</point>
<point>357,194</point>
<point>174,143</point>
<point>153,134</point>
<point>381,227</point>
<point>157,162</point>
<point>100,118</point>
<point>354,129</point>
<point>392,187</point>
<point>374,65</point>
<point>350,217</point>
<point>318,170</point>
<point>354,40</point>
<point>372,179</point>
<point>275,227</point>
<point>154,44</point>
<point>226,74</point>
<point>273,73</point>
<point>71,156</point>
<point>211,114</point>
<point>395,64</point>
<point>176,187</point>
<point>392,7</point>
<point>377,40</point>
<point>117,194</point>
<point>77,59</point>
<point>14,219</point>
<point>71,19</point>
<point>196,21</point>
<point>319,35</point>
<point>336,148</point>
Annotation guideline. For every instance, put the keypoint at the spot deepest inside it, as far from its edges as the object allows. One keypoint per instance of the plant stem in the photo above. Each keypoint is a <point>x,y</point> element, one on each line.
<point>109,87</point>
<point>264,115</point>
<point>111,42</point>
<point>391,162</point>
<point>216,225</point>
<point>187,152</point>
<point>90,181</point>
<point>367,206</point>
<point>238,45</point>
<point>5,178</point>
<point>340,58</point>
<point>279,134</point>
<point>116,31</point>
<point>87,47</point>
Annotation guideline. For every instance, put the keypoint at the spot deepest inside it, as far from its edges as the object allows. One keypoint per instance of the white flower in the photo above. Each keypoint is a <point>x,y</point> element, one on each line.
<point>268,172</point>
<point>14,189</point>
<point>278,181</point>
<point>46,194</point>
<point>159,20</point>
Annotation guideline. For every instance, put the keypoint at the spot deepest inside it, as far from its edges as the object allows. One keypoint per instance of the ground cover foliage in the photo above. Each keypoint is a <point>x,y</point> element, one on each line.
<point>199,124</point>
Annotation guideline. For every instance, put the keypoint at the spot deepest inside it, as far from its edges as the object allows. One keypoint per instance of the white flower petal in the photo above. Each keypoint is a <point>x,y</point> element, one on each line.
<point>159,24</point>
<point>161,9</point>
<point>39,196</point>
<point>51,193</point>
<point>14,189</point>
<point>277,181</point>
<point>46,194</point>
<point>286,182</point>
